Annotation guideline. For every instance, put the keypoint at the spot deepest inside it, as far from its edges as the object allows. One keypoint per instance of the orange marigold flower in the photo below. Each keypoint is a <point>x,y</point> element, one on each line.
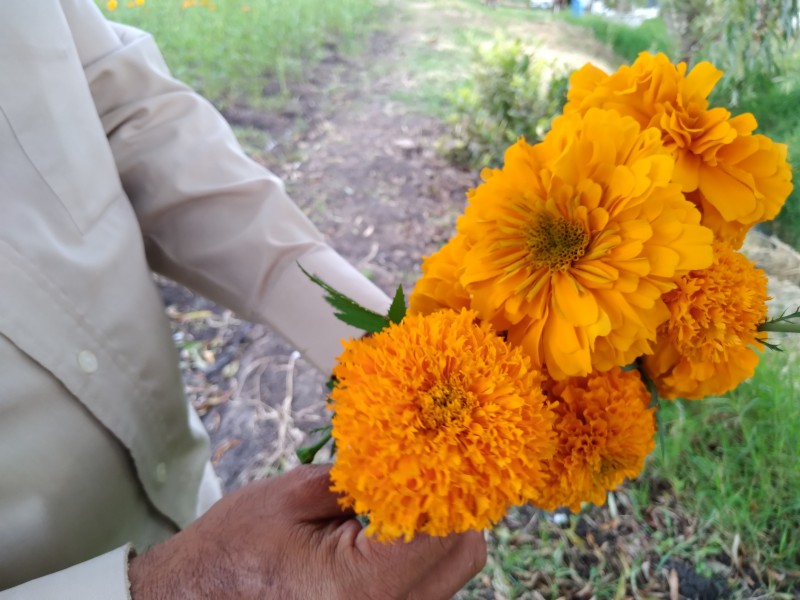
<point>709,344</point>
<point>605,431</point>
<point>572,243</point>
<point>438,287</point>
<point>440,426</point>
<point>735,178</point>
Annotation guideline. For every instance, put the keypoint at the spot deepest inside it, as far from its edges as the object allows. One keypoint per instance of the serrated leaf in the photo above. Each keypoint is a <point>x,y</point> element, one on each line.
<point>349,311</point>
<point>397,311</point>
<point>774,347</point>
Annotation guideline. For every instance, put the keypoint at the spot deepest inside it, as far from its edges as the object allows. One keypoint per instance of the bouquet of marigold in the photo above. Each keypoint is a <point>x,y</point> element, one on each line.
<point>591,274</point>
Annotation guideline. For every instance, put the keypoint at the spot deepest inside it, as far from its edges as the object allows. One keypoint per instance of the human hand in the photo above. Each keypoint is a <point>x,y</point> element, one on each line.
<point>287,538</point>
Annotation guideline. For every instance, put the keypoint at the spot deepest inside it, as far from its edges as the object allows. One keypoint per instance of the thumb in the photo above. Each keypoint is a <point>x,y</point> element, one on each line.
<point>306,492</point>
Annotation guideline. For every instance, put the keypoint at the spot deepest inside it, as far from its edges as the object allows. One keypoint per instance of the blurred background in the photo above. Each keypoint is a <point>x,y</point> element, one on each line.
<point>379,115</point>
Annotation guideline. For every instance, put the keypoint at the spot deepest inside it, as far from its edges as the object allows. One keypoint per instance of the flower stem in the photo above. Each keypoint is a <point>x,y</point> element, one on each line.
<point>780,326</point>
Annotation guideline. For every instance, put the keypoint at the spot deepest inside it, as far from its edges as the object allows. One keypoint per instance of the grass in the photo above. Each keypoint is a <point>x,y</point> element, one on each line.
<point>439,62</point>
<point>627,41</point>
<point>717,503</point>
<point>232,50</point>
<point>735,461</point>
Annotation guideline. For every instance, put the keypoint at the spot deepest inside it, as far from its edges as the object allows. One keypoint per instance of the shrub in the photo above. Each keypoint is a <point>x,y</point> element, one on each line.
<point>512,93</point>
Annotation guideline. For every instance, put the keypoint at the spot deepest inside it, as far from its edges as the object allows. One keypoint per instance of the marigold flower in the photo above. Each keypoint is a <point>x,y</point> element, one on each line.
<point>709,344</point>
<point>735,178</point>
<point>440,426</point>
<point>605,431</point>
<point>438,287</point>
<point>572,243</point>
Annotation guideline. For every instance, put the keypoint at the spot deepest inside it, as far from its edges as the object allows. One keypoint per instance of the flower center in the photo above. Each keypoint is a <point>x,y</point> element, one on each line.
<point>555,242</point>
<point>445,405</point>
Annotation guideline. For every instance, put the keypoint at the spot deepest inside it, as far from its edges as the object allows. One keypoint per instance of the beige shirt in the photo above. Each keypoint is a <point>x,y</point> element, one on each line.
<point>110,168</point>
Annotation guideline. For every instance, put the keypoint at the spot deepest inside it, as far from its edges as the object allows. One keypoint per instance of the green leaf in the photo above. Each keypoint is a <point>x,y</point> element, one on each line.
<point>349,311</point>
<point>654,402</point>
<point>331,383</point>
<point>306,455</point>
<point>398,308</point>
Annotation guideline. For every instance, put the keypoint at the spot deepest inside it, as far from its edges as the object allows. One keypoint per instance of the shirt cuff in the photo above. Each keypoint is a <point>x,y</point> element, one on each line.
<point>104,577</point>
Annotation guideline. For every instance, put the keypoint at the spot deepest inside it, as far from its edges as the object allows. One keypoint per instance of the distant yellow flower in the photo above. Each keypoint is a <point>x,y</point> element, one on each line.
<point>439,425</point>
<point>438,287</point>
<point>735,178</point>
<point>572,243</point>
<point>112,5</point>
<point>605,431</point>
<point>139,2</point>
<point>710,343</point>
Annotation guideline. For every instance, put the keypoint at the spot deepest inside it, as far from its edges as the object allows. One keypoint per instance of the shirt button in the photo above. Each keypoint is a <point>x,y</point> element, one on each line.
<point>161,472</point>
<point>87,361</point>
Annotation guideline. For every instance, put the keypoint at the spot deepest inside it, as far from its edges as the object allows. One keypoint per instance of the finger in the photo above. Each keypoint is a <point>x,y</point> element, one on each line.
<point>406,563</point>
<point>453,571</point>
<point>306,494</point>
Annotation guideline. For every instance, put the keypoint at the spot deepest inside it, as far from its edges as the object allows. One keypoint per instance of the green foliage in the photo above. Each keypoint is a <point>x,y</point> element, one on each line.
<point>626,41</point>
<point>397,311</point>
<point>753,42</point>
<point>232,49</point>
<point>735,460</point>
<point>351,312</point>
<point>512,93</point>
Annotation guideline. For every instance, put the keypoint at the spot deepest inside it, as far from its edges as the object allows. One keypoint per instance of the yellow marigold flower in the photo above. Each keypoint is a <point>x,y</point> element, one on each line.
<point>112,4</point>
<point>735,178</point>
<point>438,287</point>
<point>709,344</point>
<point>440,426</point>
<point>605,431</point>
<point>572,243</point>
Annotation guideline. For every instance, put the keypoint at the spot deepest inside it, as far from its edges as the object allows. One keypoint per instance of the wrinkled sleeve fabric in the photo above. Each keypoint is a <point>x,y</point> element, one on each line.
<point>104,577</point>
<point>212,219</point>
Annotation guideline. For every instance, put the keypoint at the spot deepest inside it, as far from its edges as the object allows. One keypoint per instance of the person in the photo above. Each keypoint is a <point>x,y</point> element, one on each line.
<point>110,169</point>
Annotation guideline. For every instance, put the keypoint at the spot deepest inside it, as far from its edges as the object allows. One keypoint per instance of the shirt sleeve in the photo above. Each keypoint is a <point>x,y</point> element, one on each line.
<point>104,577</point>
<point>212,219</point>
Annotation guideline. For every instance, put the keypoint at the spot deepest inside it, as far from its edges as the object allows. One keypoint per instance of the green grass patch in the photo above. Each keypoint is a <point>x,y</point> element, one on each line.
<point>735,461</point>
<point>627,41</point>
<point>231,50</point>
<point>446,33</point>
